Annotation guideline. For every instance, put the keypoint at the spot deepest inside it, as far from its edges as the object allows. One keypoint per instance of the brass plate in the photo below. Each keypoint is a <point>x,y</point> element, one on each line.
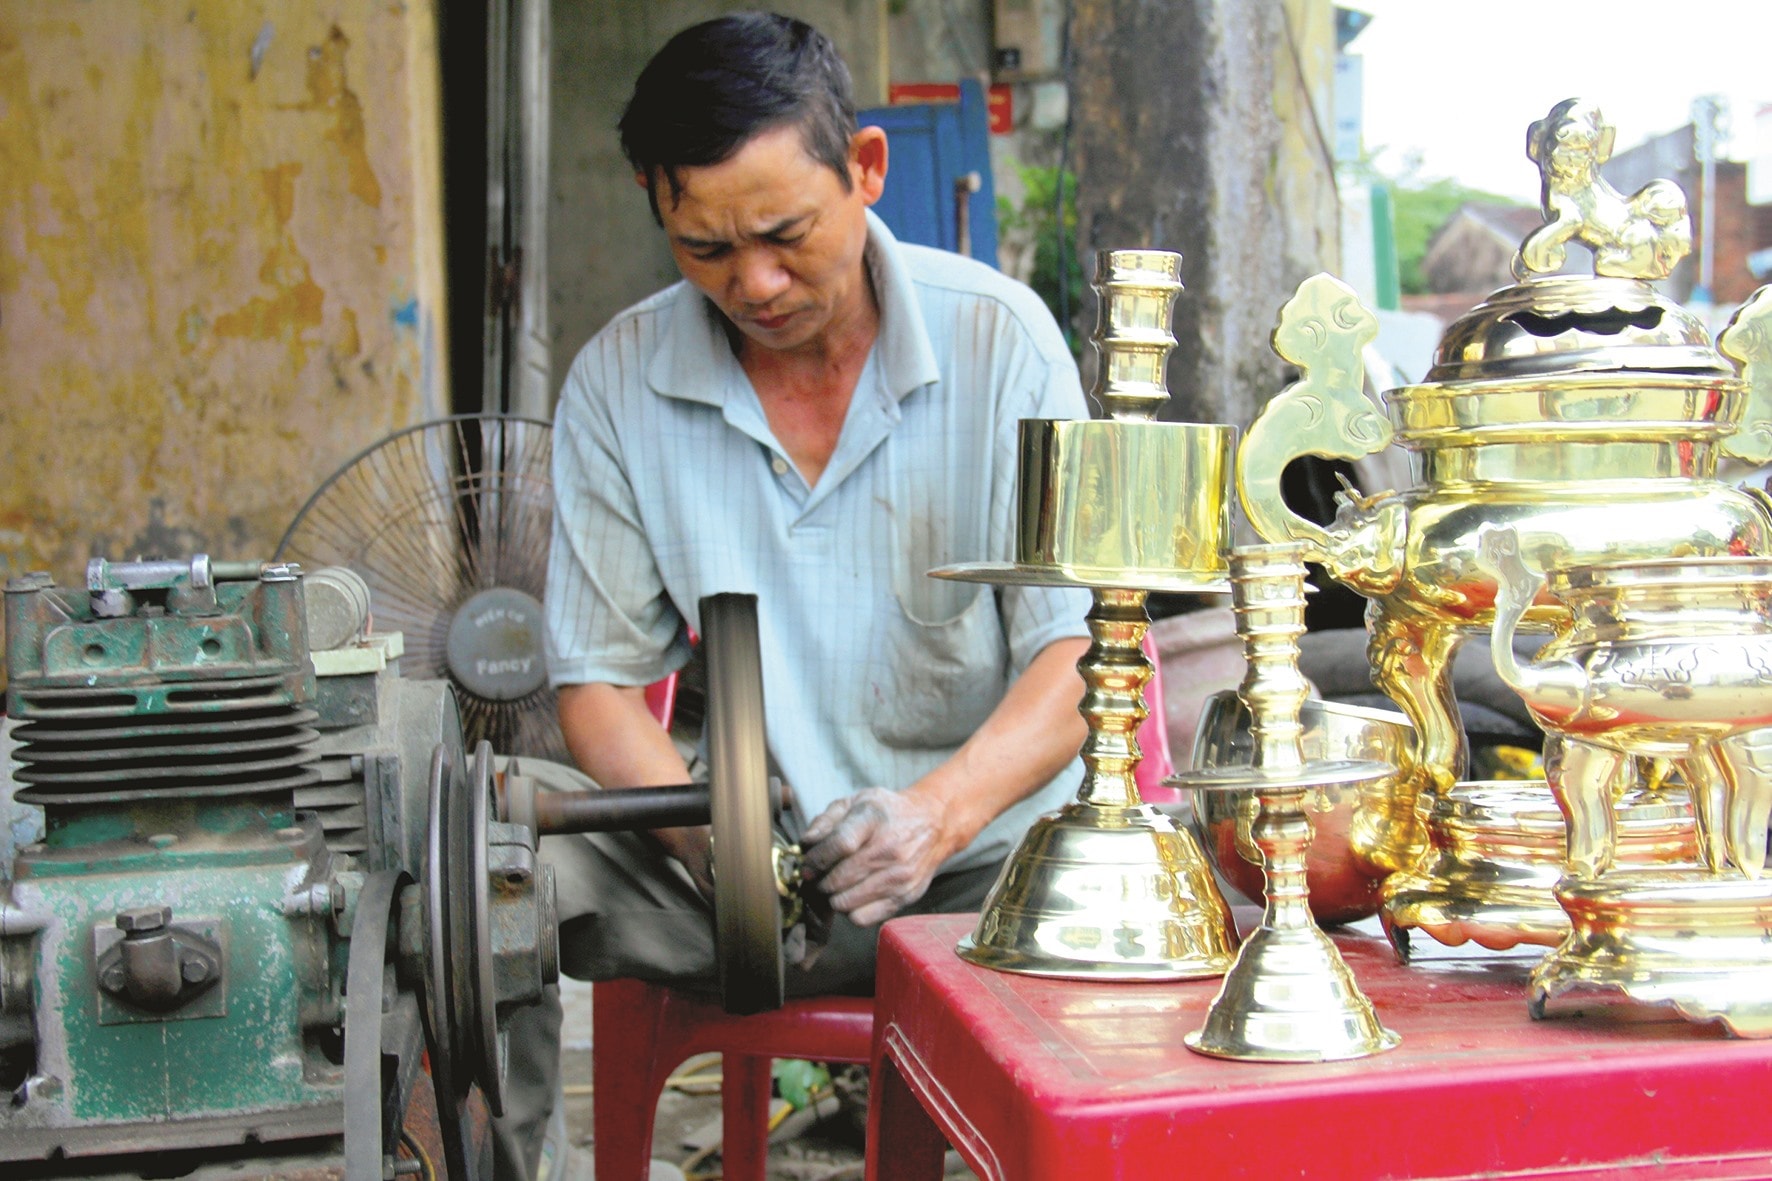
<point>1092,578</point>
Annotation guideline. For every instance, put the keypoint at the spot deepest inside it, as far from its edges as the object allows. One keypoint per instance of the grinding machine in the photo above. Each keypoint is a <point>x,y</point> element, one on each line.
<point>272,923</point>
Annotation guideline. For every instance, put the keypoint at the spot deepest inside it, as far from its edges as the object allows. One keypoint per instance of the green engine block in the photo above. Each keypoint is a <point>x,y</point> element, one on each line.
<point>174,952</point>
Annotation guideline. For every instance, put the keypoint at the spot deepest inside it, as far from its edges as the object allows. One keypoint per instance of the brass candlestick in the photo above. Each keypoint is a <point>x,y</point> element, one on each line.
<point>1108,887</point>
<point>1289,997</point>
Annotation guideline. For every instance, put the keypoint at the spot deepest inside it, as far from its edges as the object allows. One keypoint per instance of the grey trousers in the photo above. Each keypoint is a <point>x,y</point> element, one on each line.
<point>627,910</point>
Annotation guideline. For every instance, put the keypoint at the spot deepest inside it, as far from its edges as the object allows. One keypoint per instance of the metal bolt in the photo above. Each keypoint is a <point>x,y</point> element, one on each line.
<point>144,918</point>
<point>113,979</point>
<point>194,970</point>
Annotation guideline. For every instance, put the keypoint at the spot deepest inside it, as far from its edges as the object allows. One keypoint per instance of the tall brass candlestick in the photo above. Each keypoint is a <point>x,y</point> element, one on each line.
<point>1289,997</point>
<point>1108,887</point>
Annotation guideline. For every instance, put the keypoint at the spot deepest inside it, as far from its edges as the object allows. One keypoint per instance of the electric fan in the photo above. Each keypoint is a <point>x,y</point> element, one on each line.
<point>448,522</point>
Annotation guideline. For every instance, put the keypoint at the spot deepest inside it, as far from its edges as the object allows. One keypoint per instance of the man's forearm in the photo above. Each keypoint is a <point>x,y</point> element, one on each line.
<point>615,739</point>
<point>1034,731</point>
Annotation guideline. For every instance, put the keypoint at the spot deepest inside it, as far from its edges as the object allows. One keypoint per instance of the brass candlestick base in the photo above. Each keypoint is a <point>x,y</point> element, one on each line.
<point>1289,997</point>
<point>1105,893</point>
<point>1497,856</point>
<point>1633,933</point>
<point>1108,888</point>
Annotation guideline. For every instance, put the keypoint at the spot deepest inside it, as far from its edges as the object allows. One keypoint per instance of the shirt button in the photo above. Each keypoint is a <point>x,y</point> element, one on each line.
<point>780,465</point>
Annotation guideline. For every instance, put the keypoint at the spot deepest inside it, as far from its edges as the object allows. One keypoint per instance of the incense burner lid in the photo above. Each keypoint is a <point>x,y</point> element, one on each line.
<point>1565,325</point>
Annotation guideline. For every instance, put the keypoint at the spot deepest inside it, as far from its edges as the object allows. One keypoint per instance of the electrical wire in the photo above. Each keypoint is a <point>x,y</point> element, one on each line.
<point>427,1170</point>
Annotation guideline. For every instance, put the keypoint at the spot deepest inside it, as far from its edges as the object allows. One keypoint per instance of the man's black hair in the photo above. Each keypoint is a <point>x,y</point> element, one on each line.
<point>717,84</point>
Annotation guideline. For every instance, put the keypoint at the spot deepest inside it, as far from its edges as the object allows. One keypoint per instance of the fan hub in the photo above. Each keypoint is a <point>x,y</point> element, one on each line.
<point>495,645</point>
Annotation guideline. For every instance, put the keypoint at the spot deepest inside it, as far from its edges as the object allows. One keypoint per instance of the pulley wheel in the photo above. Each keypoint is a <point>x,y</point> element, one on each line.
<point>477,1000</point>
<point>747,904</point>
<point>440,1038</point>
<point>460,998</point>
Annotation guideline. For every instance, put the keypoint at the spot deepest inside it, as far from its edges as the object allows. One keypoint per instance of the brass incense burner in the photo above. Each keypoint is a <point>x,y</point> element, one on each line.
<point>1670,658</point>
<point>1108,887</point>
<point>1496,854</point>
<point>1586,413</point>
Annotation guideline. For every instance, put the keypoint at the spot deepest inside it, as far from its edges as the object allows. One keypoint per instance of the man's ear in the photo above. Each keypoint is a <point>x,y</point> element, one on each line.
<point>640,179</point>
<point>867,162</point>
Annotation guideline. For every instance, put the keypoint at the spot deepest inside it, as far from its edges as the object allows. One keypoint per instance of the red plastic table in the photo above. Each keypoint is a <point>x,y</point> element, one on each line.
<point>1031,1078</point>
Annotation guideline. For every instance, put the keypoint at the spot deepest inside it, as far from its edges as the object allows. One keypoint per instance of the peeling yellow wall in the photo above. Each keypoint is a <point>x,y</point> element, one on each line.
<point>220,265</point>
<point>1304,99</point>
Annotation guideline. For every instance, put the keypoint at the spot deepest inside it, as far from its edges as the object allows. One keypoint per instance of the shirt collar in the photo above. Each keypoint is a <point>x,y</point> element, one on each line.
<point>695,361</point>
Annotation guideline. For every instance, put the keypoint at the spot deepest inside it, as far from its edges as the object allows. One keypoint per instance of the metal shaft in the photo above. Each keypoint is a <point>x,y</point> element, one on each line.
<point>628,809</point>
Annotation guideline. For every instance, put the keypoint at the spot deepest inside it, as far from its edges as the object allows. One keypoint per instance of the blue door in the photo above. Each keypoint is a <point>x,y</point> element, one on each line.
<point>933,146</point>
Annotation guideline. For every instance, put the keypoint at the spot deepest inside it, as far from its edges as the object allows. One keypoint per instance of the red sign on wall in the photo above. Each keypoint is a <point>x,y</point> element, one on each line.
<point>999,100</point>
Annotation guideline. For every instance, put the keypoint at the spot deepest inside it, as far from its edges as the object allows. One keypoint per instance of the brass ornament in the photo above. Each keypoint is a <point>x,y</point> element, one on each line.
<point>1669,658</point>
<point>1343,886</point>
<point>1587,413</point>
<point>1497,854</point>
<point>1289,997</point>
<point>1695,942</point>
<point>1108,887</point>
<point>1637,237</point>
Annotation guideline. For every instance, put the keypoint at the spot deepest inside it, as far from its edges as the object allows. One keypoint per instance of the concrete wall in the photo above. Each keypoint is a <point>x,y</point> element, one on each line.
<point>220,266</point>
<point>1203,127</point>
<point>605,252</point>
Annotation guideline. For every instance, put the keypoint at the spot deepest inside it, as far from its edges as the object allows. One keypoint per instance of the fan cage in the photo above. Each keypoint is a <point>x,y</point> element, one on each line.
<point>431,516</point>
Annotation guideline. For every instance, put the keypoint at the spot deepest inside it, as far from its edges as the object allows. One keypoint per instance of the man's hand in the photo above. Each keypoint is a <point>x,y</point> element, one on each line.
<point>875,852</point>
<point>693,848</point>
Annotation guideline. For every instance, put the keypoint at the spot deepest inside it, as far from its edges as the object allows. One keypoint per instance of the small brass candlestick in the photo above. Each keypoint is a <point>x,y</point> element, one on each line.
<point>1289,997</point>
<point>1108,887</point>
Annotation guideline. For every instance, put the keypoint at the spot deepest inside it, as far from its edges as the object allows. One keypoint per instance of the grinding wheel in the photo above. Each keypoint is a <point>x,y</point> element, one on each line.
<point>747,902</point>
<point>739,803</point>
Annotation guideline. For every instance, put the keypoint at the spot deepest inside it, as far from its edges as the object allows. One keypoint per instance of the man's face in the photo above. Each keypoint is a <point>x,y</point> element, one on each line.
<point>773,238</point>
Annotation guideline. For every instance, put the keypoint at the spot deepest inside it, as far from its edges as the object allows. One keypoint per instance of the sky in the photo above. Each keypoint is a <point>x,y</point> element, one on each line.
<point>1460,80</point>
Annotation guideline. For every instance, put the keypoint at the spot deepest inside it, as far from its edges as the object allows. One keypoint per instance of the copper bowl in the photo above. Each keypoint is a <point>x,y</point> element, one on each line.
<point>1344,886</point>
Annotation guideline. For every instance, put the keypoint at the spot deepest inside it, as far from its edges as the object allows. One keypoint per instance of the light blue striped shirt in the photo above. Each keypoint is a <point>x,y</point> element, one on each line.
<point>669,486</point>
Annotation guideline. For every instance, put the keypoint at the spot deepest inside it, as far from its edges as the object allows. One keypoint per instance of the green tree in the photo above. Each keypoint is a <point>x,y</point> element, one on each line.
<point>1418,209</point>
<point>1038,217</point>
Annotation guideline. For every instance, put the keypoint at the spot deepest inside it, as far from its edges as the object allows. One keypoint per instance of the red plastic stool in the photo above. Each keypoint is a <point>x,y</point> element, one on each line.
<point>641,1032</point>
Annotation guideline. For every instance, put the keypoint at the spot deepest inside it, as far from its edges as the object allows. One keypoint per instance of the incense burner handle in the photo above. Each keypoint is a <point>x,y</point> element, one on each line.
<point>1323,330</point>
<point>1555,687</point>
<point>1748,342</point>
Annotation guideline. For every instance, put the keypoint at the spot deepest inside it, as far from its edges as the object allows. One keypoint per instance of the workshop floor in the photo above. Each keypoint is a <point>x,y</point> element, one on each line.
<point>821,1144</point>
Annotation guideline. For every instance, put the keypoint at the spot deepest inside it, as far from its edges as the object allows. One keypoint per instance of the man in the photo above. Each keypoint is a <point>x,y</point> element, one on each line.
<point>817,415</point>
